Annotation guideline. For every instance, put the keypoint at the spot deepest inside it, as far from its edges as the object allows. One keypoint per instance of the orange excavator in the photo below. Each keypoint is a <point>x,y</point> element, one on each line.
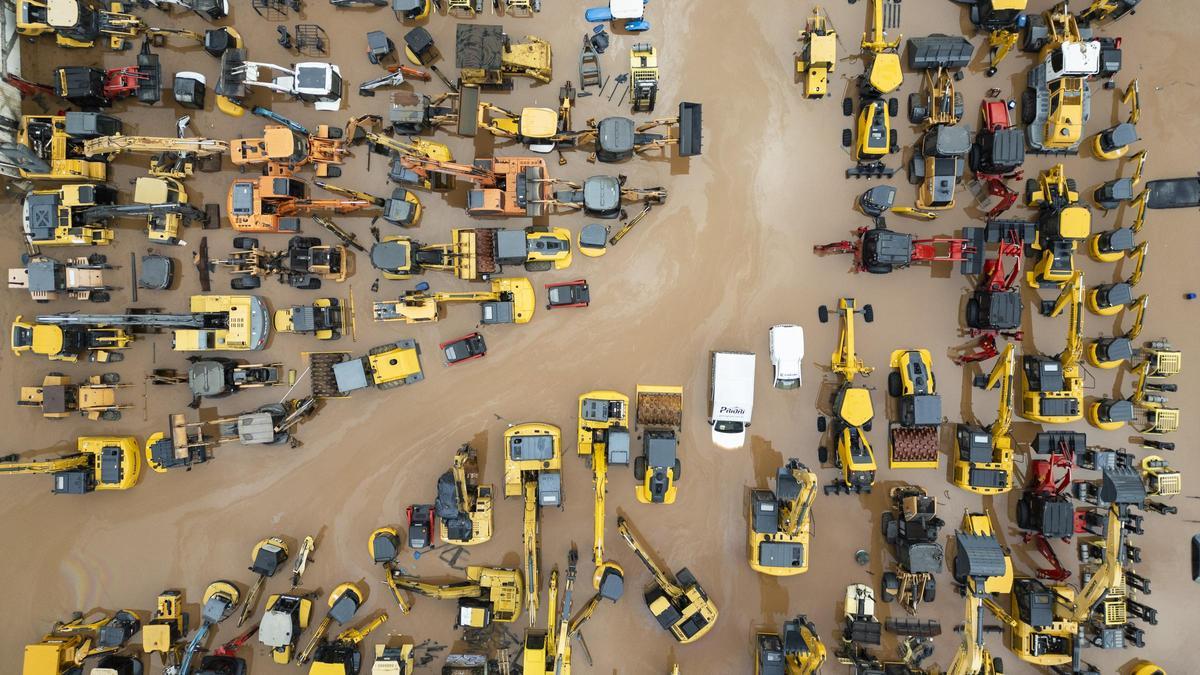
<point>276,202</point>
<point>502,186</point>
<point>282,146</point>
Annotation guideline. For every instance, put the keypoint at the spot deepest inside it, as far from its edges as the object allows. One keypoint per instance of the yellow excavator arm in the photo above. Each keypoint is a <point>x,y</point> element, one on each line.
<point>531,538</point>
<point>1139,262</point>
<point>1002,375</point>
<point>1072,294</point>
<point>112,145</point>
<point>795,511</point>
<point>1110,575</point>
<point>876,40</point>
<point>47,465</point>
<point>466,497</point>
<point>448,591</point>
<point>661,578</point>
<point>845,360</point>
<point>357,635</point>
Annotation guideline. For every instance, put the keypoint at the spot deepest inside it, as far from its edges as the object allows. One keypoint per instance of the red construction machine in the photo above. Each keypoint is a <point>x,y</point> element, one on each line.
<point>878,250</point>
<point>997,155</point>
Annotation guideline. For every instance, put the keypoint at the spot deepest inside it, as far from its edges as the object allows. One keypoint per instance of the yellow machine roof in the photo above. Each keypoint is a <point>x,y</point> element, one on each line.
<point>856,406</point>
<point>62,13</point>
<point>396,364</point>
<point>539,122</point>
<point>44,659</point>
<point>822,49</point>
<point>523,299</point>
<point>47,339</point>
<point>886,75</point>
<point>1075,222</point>
<point>151,190</point>
<point>327,669</point>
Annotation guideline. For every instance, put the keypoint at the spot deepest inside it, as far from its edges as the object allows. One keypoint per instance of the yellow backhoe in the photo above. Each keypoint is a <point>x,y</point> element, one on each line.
<point>487,594</point>
<point>176,158</point>
<point>983,458</point>
<point>533,470</point>
<point>679,603</point>
<point>510,300</point>
<point>1052,388</point>
<point>464,507</point>
<point>98,463</point>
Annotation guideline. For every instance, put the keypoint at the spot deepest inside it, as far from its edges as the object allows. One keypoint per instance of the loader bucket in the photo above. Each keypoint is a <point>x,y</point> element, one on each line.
<point>972,262</point>
<point>939,51</point>
<point>1122,485</point>
<point>232,82</point>
<point>468,110</point>
<point>689,129</point>
<point>978,556</point>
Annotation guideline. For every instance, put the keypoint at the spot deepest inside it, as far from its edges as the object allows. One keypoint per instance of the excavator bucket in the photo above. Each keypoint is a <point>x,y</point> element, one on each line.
<point>232,81</point>
<point>939,51</point>
<point>978,556</point>
<point>468,110</point>
<point>1122,485</point>
<point>689,129</point>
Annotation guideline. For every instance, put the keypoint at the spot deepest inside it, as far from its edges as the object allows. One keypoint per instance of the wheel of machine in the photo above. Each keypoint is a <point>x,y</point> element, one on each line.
<point>823,314</point>
<point>1028,106</point>
<point>1071,185</point>
<point>1031,186</point>
<point>821,423</point>
<point>245,243</point>
<point>889,587</point>
<point>111,378</point>
<point>847,138</point>
<point>930,592</point>
<point>973,313</point>
<point>916,112</point>
<point>678,470</point>
<point>114,357</point>
<point>310,284</point>
<point>913,177</point>
<point>1023,512</point>
<point>893,141</point>
<point>959,105</point>
<point>639,468</point>
<point>868,313</point>
<point>867,425</point>
<point>1033,23</point>
<point>847,106</point>
<point>990,72</point>
<point>998,665</point>
<point>245,283</point>
<point>99,296</point>
<point>823,454</point>
<point>893,107</point>
<point>894,384</point>
<point>887,525</point>
<point>333,172</point>
<point>538,266</point>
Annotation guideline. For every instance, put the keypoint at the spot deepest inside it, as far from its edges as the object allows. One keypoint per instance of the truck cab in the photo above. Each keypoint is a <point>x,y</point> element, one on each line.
<point>731,398</point>
<point>787,353</point>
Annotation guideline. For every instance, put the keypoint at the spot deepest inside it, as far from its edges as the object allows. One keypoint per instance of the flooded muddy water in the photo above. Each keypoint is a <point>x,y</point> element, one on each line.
<point>727,256</point>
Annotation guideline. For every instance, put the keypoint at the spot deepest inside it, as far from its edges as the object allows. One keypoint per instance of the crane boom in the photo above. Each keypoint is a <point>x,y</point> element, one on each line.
<point>447,591</point>
<point>96,214</point>
<point>661,578</point>
<point>112,145</point>
<point>531,540</point>
<point>196,320</point>
<point>64,463</point>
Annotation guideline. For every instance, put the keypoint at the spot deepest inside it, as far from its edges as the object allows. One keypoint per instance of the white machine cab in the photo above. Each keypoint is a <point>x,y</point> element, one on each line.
<point>731,398</point>
<point>787,354</point>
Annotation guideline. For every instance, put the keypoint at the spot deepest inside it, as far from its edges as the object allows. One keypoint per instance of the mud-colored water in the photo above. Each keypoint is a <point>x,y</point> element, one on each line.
<point>725,258</point>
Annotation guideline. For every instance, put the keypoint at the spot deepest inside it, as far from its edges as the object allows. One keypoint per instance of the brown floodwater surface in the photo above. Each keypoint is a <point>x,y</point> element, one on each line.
<point>725,258</point>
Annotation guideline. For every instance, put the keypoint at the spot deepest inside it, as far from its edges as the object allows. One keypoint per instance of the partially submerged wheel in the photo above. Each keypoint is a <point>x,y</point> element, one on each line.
<point>821,423</point>
<point>893,107</point>
<point>868,313</point>
<point>246,283</point>
<point>1028,106</point>
<point>894,384</point>
<point>930,592</point>
<point>847,138</point>
<point>893,141</point>
<point>823,314</point>
<point>245,243</point>
<point>639,468</point>
<point>823,454</point>
<point>847,106</point>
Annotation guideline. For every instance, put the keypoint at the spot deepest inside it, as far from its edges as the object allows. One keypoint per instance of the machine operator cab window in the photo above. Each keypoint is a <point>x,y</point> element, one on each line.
<point>243,198</point>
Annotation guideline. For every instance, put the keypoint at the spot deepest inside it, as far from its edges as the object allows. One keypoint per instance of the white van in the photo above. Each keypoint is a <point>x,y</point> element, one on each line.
<point>731,398</point>
<point>787,353</point>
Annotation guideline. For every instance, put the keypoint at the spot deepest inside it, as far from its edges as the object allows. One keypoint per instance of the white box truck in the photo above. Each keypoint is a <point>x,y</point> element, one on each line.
<point>731,398</point>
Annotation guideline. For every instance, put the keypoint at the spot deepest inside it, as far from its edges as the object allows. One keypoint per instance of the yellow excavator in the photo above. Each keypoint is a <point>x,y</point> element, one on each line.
<point>548,652</point>
<point>533,469</point>
<point>983,568</point>
<point>852,409</point>
<point>604,439</point>
<point>175,158</point>
<point>98,463</point>
<point>50,147</point>
<point>1045,622</point>
<point>63,650</point>
<point>340,656</point>
<point>983,458</point>
<point>487,594</point>
<point>679,603</point>
<point>165,630</point>
<point>1063,221</point>
<point>510,300</point>
<point>799,651</point>
<point>464,507</point>
<point>1052,388</point>
<point>1111,352</point>
<point>344,602</point>
<point>781,522</point>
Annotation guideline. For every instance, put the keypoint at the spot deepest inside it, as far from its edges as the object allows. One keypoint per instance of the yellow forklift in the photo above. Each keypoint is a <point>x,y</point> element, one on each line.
<point>603,438</point>
<point>487,594</point>
<point>95,398</point>
<point>983,458</point>
<point>533,469</point>
<point>98,463</point>
<point>659,414</point>
<point>876,138</point>
<point>510,300</point>
<point>679,603</point>
<point>781,522</point>
<point>818,57</point>
<point>464,507</point>
<point>1063,221</point>
<point>1052,388</point>
<point>852,409</point>
<point>799,651</point>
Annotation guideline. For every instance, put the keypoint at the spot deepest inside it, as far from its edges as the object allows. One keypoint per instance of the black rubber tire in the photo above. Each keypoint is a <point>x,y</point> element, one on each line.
<point>868,313</point>
<point>822,423</point>
<point>97,259</point>
<point>886,520</point>
<point>99,296</point>
<point>823,455</point>
<point>867,426</point>
<point>111,378</point>
<point>245,243</point>
<point>930,592</point>
<point>823,314</point>
<point>245,283</point>
<point>893,141</point>
<point>847,138</point>
<point>312,284</point>
<point>972,312</point>
<point>913,177</point>
<point>333,172</point>
<point>895,385</point>
<point>1031,186</point>
<point>893,107</point>
<point>916,112</point>
<point>998,665</point>
<point>678,469</point>
<point>847,106</point>
<point>1028,106</point>
<point>639,468</point>
<point>886,585</point>
<point>960,107</point>
<point>538,266</point>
